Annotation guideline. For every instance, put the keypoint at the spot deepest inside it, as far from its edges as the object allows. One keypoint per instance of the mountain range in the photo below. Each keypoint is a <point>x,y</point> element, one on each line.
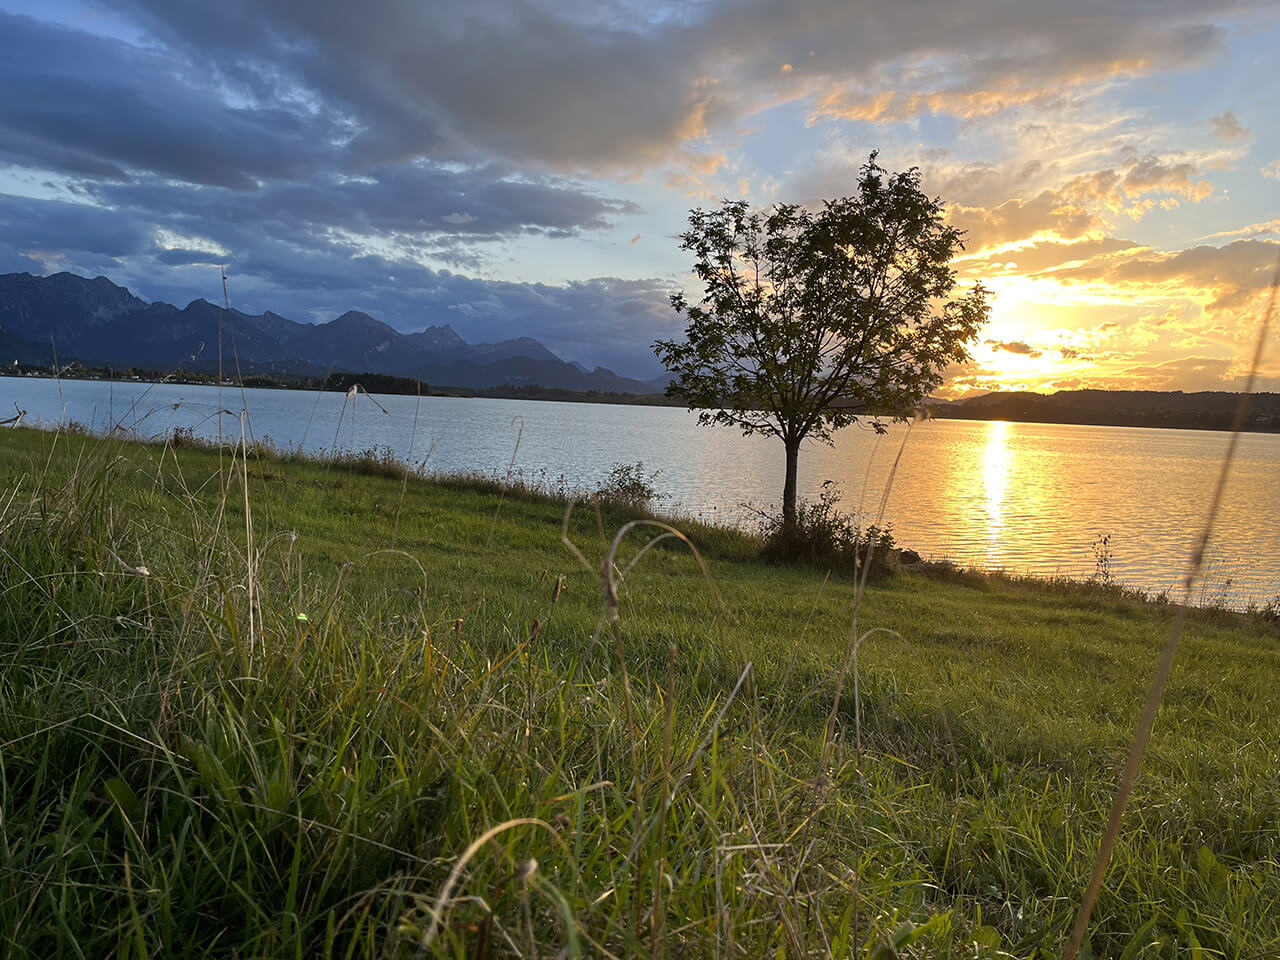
<point>68,317</point>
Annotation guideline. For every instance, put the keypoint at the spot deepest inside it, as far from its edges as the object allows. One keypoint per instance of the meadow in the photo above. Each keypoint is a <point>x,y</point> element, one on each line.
<point>268,707</point>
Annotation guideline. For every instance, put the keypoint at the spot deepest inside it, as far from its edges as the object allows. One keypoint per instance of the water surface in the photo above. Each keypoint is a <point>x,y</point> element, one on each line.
<point>1026,497</point>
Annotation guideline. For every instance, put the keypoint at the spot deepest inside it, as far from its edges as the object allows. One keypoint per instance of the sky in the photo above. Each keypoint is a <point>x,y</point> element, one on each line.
<point>523,168</point>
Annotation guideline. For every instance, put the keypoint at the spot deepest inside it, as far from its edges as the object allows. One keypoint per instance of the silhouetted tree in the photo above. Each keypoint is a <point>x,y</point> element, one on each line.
<point>810,319</point>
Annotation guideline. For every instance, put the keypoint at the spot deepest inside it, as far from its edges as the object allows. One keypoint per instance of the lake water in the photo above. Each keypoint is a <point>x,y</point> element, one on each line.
<point>1026,497</point>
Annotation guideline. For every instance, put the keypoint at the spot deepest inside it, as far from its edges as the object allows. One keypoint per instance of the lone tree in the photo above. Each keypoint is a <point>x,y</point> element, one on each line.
<point>809,320</point>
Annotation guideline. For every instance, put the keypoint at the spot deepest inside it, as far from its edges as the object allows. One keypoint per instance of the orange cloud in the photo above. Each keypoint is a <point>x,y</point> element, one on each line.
<point>1123,189</point>
<point>1249,230</point>
<point>1048,213</point>
<point>1227,277</point>
<point>691,171</point>
<point>1072,213</point>
<point>981,97</point>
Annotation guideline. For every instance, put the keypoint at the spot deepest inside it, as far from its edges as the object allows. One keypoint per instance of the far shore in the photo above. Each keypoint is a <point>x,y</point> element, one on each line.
<point>389,385</point>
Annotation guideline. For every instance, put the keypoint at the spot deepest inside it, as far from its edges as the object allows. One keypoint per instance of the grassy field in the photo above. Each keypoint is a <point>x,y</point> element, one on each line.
<point>378,716</point>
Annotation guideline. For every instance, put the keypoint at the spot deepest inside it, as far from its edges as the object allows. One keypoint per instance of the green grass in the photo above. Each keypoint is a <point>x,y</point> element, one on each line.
<point>281,741</point>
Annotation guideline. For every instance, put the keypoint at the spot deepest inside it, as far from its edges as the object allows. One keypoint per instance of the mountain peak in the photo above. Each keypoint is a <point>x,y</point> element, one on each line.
<point>357,322</point>
<point>355,316</point>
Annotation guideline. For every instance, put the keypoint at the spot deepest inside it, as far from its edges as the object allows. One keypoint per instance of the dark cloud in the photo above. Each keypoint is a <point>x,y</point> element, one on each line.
<point>449,78</point>
<point>174,180</point>
<point>96,107</point>
<point>418,200</point>
<point>103,109</point>
<point>1015,346</point>
<point>621,85</point>
<point>31,227</point>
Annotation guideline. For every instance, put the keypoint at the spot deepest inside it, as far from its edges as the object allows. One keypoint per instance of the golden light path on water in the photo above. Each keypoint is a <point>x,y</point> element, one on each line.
<point>997,461</point>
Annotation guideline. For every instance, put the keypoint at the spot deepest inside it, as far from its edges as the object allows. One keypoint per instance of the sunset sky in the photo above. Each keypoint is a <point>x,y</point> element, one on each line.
<point>522,168</point>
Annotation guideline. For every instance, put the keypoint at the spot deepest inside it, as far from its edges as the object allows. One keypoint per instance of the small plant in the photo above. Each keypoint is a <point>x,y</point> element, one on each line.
<point>823,533</point>
<point>181,437</point>
<point>628,485</point>
<point>1103,560</point>
<point>1219,591</point>
<point>1268,610</point>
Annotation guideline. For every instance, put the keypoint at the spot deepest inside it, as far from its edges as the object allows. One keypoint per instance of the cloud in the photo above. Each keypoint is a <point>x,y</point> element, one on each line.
<point>1226,126</point>
<point>1074,212</point>
<point>623,86</point>
<point>1048,213</point>
<point>603,320</point>
<point>1132,187</point>
<point>1249,230</point>
<point>1224,277</point>
<point>1272,169</point>
<point>1015,346</point>
<point>1044,255</point>
<point>691,171</point>
<point>97,107</point>
<point>420,198</point>
<point>520,81</point>
<point>1151,175</point>
<point>1186,373</point>
<point>1027,57</point>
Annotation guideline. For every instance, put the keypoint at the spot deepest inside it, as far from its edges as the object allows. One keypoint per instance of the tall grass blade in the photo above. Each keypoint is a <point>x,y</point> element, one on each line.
<point>1137,750</point>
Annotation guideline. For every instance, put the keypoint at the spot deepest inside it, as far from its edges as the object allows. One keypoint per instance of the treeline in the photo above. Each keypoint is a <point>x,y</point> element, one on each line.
<point>342,382</point>
<point>535,392</point>
<point>1174,409</point>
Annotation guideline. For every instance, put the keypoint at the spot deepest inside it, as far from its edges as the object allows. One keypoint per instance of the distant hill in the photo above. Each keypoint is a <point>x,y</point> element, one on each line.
<point>100,324</point>
<point>1204,410</point>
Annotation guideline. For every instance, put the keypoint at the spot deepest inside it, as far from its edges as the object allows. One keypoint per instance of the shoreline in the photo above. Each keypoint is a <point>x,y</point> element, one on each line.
<point>269,382</point>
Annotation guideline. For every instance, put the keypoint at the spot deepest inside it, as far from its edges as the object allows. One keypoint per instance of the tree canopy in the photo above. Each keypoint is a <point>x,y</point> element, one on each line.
<point>810,319</point>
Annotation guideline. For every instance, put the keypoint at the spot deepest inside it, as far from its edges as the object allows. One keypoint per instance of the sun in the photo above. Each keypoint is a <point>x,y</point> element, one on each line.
<point>1031,341</point>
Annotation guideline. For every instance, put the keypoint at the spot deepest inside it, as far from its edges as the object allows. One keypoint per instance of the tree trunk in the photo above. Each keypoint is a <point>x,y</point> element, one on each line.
<point>789,487</point>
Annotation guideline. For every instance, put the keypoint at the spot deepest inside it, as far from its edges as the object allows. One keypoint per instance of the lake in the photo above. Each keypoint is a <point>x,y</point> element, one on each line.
<point>1026,497</point>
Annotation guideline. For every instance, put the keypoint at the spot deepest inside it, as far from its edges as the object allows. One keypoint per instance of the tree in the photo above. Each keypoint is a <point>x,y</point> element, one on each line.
<point>810,319</point>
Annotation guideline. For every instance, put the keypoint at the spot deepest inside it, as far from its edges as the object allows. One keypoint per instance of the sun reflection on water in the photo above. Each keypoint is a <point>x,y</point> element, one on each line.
<point>997,460</point>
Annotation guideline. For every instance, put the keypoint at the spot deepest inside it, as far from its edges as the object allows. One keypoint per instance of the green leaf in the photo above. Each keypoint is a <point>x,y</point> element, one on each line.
<point>121,794</point>
<point>1138,941</point>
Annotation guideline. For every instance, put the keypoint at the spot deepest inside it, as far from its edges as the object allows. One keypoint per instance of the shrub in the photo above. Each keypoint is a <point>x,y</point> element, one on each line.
<point>182,436</point>
<point>825,534</point>
<point>627,485</point>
